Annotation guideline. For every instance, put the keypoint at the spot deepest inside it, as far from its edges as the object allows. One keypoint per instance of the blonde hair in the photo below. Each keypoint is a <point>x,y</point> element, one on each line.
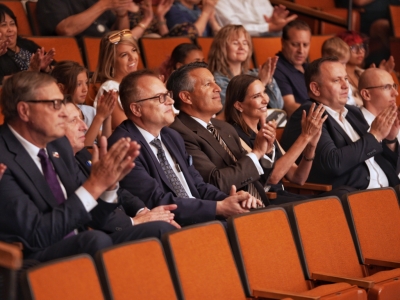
<point>335,47</point>
<point>218,56</point>
<point>105,65</point>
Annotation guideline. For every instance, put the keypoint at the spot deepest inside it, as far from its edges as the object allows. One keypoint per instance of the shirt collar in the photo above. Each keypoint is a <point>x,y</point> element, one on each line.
<point>147,135</point>
<point>335,114</point>
<point>29,147</point>
<point>369,117</point>
<point>201,122</point>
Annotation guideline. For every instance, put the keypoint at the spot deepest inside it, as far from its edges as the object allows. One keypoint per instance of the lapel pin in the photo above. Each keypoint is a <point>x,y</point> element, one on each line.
<point>56,155</point>
<point>89,163</point>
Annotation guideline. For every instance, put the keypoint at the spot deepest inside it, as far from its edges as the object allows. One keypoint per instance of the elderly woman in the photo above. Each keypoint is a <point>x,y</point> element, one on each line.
<point>246,104</point>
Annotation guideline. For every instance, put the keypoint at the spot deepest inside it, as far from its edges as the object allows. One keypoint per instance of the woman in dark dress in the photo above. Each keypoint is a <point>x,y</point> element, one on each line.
<point>246,104</point>
<point>22,54</point>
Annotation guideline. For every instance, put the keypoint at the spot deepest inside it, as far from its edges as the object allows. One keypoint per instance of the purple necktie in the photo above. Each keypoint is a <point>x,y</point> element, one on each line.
<point>51,176</point>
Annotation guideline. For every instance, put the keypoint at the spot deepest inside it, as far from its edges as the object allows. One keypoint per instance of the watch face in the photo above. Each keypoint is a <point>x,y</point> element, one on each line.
<point>101,28</point>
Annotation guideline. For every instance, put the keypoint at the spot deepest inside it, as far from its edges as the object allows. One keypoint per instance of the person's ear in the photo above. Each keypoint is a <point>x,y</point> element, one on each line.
<point>23,111</point>
<point>61,87</point>
<point>315,88</point>
<point>136,109</point>
<point>178,65</point>
<point>365,95</point>
<point>185,97</point>
<point>238,106</point>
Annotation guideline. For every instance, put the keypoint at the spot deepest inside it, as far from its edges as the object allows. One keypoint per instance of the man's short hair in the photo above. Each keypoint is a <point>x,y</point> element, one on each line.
<point>181,81</point>
<point>298,24</point>
<point>313,70</point>
<point>129,91</point>
<point>19,87</point>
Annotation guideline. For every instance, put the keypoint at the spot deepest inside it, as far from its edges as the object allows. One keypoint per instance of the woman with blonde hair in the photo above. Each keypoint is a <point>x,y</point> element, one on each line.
<point>230,55</point>
<point>118,56</point>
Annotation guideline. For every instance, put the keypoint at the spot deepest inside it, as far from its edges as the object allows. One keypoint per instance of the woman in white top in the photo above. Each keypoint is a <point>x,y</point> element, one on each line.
<point>118,56</point>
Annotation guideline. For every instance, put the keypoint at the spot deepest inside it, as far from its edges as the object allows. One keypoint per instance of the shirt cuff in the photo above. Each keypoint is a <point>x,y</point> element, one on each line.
<point>256,163</point>
<point>267,162</point>
<point>86,198</point>
<point>110,196</point>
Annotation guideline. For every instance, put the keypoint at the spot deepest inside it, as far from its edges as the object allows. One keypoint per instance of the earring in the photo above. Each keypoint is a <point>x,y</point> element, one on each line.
<point>241,110</point>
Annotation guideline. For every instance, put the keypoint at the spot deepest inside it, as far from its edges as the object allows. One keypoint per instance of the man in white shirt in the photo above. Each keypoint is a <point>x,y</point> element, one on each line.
<point>46,202</point>
<point>349,152</point>
<point>164,172</point>
<point>259,17</point>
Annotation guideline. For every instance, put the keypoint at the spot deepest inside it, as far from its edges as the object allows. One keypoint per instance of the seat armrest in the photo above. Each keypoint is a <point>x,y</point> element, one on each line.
<point>366,284</point>
<point>307,186</point>
<point>382,263</point>
<point>271,195</point>
<point>279,295</point>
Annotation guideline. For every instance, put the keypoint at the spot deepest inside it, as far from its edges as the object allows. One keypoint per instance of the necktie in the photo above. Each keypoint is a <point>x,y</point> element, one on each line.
<point>51,176</point>
<point>179,190</point>
<point>250,187</point>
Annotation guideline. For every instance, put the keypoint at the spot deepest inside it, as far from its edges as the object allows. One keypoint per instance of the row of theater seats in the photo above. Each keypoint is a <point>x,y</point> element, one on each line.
<point>274,253</point>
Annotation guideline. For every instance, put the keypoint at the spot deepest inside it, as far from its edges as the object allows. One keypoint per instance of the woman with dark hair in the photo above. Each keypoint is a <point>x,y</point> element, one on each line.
<point>22,54</point>
<point>72,79</point>
<point>182,54</point>
<point>246,104</point>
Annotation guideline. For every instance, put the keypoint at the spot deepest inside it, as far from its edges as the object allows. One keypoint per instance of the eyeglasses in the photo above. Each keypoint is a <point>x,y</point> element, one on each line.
<point>116,37</point>
<point>56,102</point>
<point>386,87</point>
<point>161,97</point>
<point>357,47</point>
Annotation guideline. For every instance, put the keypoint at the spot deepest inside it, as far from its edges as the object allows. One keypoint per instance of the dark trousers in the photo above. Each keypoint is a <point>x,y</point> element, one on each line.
<point>94,240</point>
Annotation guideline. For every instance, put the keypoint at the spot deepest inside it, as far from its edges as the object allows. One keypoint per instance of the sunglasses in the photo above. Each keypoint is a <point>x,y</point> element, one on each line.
<point>115,38</point>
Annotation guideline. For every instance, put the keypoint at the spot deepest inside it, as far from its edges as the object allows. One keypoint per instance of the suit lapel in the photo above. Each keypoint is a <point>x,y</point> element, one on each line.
<point>206,136</point>
<point>28,166</point>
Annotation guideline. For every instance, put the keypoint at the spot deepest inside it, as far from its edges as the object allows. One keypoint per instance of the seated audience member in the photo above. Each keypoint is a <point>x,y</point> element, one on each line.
<point>349,152</point>
<point>337,47</point>
<point>45,198</point>
<point>72,79</point>
<point>289,73</point>
<point>187,11</point>
<point>230,55</point>
<point>259,17</point>
<point>164,173</point>
<point>132,210</point>
<point>118,56</point>
<point>358,48</point>
<point>89,17</point>
<point>181,55</point>
<point>214,144</point>
<point>246,104</point>
<point>19,54</point>
<point>378,91</point>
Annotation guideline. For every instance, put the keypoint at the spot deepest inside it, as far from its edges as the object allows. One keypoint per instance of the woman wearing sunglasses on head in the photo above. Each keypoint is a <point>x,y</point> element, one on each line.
<point>118,56</point>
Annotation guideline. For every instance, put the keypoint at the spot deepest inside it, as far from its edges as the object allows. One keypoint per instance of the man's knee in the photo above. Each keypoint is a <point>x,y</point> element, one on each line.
<point>93,240</point>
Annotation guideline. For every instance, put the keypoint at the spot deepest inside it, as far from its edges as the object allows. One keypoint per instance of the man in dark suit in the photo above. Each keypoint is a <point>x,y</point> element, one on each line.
<point>132,210</point>
<point>349,152</point>
<point>45,199</point>
<point>197,96</point>
<point>164,173</point>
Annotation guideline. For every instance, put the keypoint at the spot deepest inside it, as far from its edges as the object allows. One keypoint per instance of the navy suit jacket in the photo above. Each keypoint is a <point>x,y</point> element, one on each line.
<point>340,161</point>
<point>29,212</point>
<point>147,180</point>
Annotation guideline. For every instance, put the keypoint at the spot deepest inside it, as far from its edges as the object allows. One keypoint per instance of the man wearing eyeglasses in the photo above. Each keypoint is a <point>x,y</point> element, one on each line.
<point>46,202</point>
<point>164,172</point>
<point>378,91</point>
<point>349,152</point>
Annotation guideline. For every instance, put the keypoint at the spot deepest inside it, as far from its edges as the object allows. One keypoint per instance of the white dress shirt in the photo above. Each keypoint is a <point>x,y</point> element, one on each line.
<point>149,137</point>
<point>377,177</point>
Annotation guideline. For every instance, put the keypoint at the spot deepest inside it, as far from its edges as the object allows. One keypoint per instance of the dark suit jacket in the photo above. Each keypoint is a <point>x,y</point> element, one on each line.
<point>340,161</point>
<point>120,217</point>
<point>211,159</point>
<point>29,213</point>
<point>147,180</point>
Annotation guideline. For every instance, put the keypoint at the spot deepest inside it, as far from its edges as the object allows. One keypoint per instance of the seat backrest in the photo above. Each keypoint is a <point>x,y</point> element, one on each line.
<point>202,264</point>
<point>66,47</point>
<point>69,278</point>
<point>31,13</point>
<point>375,216</point>
<point>138,267</point>
<point>19,11</point>
<point>324,238</point>
<point>316,46</point>
<point>265,252</point>
<point>264,47</point>
<point>394,16</point>
<point>10,262</point>
<point>205,45</point>
<point>316,3</point>
<point>327,28</point>
<point>156,50</point>
<point>91,47</point>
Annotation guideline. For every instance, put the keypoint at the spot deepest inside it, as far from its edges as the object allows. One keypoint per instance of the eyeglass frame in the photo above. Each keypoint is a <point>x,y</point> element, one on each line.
<point>119,35</point>
<point>360,47</point>
<point>394,86</point>
<point>54,101</point>
<point>168,93</point>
